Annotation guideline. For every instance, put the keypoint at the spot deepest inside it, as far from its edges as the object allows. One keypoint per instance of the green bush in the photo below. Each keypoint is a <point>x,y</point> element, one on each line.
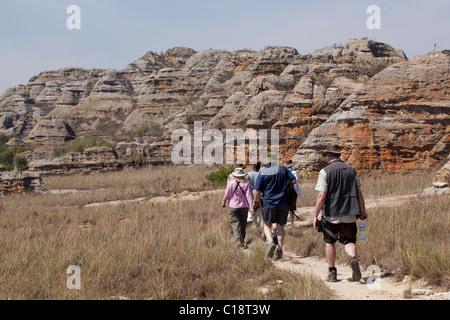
<point>8,156</point>
<point>141,129</point>
<point>21,163</point>
<point>79,145</point>
<point>7,159</point>
<point>58,152</point>
<point>154,129</point>
<point>5,138</point>
<point>220,176</point>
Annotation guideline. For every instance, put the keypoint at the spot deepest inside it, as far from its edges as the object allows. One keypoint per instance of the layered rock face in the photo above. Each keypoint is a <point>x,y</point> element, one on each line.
<point>396,121</point>
<point>386,116</point>
<point>91,160</point>
<point>19,182</point>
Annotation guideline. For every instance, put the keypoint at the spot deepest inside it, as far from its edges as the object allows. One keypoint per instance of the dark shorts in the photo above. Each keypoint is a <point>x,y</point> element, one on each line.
<point>345,232</point>
<point>276,215</point>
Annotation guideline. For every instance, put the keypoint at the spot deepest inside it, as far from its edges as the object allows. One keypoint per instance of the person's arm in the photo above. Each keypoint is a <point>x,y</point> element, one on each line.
<point>258,195</point>
<point>322,187</point>
<point>259,187</point>
<point>248,194</point>
<point>291,177</point>
<point>362,205</point>
<point>227,194</point>
<point>319,204</point>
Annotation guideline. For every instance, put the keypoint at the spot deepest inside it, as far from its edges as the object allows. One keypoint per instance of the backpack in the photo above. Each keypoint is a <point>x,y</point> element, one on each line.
<point>290,192</point>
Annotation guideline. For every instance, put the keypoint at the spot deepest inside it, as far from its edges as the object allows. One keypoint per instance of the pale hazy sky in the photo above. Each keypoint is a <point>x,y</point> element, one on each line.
<point>34,36</point>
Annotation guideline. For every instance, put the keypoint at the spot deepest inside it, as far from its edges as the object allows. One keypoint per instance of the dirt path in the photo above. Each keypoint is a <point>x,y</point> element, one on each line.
<point>371,286</point>
<point>183,196</point>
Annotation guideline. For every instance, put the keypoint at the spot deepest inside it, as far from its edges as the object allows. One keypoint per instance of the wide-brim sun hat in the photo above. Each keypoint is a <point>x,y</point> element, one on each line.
<point>239,172</point>
<point>288,163</point>
<point>332,149</point>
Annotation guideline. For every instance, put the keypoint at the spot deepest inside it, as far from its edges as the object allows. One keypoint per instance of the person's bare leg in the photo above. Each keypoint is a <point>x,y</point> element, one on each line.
<point>280,235</point>
<point>350,249</point>
<point>330,252</point>
<point>271,245</point>
<point>267,228</point>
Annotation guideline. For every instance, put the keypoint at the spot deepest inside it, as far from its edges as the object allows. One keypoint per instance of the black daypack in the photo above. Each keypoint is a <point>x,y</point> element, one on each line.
<point>290,192</point>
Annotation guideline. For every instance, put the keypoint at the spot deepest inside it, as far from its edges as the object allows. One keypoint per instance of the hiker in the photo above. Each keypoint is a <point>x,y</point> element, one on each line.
<point>341,202</point>
<point>238,196</point>
<point>293,197</point>
<point>256,215</point>
<point>271,188</point>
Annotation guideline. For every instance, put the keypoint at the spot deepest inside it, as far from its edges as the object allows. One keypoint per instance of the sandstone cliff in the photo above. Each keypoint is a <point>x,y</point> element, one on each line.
<point>396,119</point>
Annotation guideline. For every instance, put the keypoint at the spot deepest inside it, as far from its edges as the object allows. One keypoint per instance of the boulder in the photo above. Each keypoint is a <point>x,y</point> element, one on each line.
<point>20,182</point>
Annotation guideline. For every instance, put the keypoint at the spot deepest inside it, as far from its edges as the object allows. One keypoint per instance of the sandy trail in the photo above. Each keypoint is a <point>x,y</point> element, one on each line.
<point>371,286</point>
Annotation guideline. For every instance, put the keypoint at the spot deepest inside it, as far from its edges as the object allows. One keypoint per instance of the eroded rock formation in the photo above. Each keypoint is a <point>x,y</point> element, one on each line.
<point>396,119</point>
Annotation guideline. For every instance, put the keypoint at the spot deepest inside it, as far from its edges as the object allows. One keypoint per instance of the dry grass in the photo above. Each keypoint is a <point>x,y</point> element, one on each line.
<point>408,239</point>
<point>167,250</point>
<point>375,185</point>
<point>411,239</point>
<point>183,249</point>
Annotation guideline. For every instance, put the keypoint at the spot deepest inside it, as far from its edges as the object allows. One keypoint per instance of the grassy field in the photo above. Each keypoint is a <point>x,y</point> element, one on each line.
<point>167,250</point>
<point>183,249</point>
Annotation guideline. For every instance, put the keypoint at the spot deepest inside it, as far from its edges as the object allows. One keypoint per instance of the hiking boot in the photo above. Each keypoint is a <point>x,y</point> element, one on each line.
<point>275,239</point>
<point>272,246</point>
<point>332,275</point>
<point>356,273</point>
<point>279,254</point>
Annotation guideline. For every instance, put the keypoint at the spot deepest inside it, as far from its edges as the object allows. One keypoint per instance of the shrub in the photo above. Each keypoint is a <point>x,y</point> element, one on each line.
<point>79,145</point>
<point>8,155</point>
<point>141,129</point>
<point>58,152</point>
<point>220,176</point>
<point>21,163</point>
<point>153,129</point>
<point>4,139</point>
<point>7,159</point>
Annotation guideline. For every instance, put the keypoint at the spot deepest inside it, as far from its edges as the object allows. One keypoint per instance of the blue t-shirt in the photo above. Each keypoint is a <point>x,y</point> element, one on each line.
<point>253,175</point>
<point>272,183</point>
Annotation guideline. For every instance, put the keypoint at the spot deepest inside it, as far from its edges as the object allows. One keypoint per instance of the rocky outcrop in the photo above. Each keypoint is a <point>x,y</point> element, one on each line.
<point>442,178</point>
<point>357,50</point>
<point>20,182</point>
<point>96,159</point>
<point>441,181</point>
<point>396,119</point>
